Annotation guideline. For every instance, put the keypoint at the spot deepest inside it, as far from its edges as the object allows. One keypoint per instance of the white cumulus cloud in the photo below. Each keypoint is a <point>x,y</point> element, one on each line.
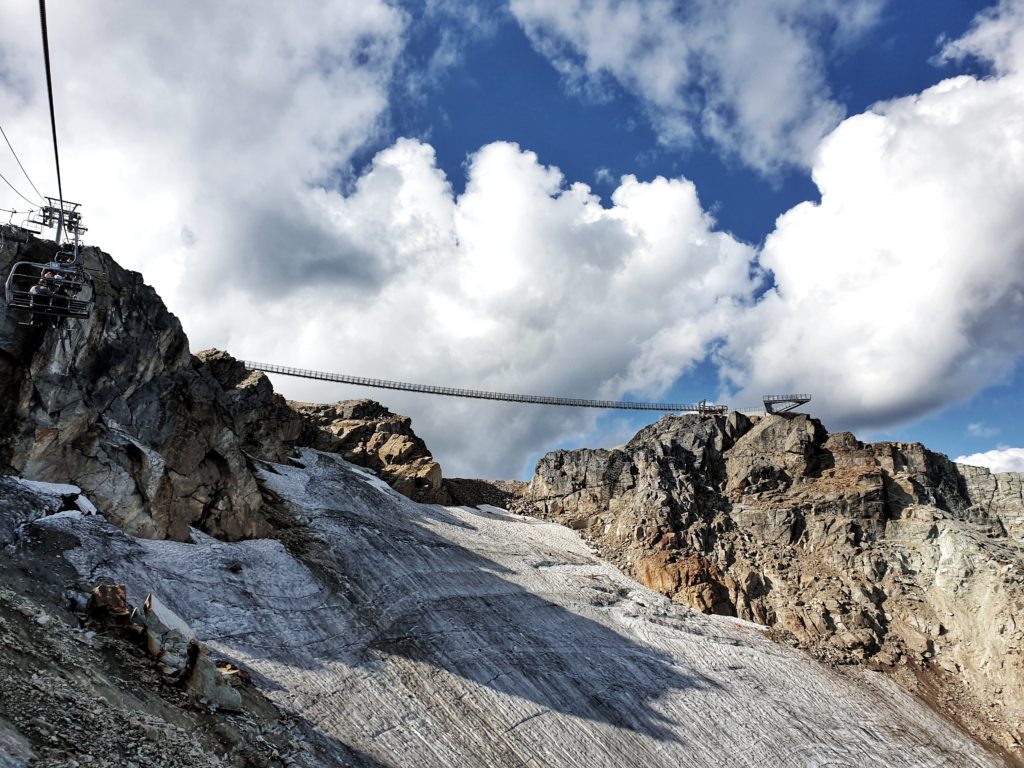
<point>748,74</point>
<point>998,460</point>
<point>189,136</point>
<point>903,290</point>
<point>524,283</point>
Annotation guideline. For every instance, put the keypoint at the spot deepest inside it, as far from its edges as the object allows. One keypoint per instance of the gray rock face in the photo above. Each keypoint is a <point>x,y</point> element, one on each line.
<point>157,438</point>
<point>887,552</point>
<point>117,405</point>
<point>267,427</point>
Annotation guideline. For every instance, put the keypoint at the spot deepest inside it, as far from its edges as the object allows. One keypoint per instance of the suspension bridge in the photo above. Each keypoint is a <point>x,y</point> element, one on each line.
<point>573,402</point>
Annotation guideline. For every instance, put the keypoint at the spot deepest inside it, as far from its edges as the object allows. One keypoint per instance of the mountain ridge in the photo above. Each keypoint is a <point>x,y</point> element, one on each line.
<point>869,556</point>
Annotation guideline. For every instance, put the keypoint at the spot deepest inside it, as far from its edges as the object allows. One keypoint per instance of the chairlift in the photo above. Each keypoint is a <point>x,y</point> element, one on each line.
<point>58,289</point>
<point>52,291</point>
<point>61,288</point>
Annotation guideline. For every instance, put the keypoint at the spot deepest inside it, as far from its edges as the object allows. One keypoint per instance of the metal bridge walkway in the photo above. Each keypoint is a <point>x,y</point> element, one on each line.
<point>784,403</point>
<point>701,407</point>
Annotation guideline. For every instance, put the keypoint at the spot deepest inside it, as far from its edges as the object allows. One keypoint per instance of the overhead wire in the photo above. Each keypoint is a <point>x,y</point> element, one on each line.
<point>53,119</point>
<point>18,160</point>
<point>16,191</point>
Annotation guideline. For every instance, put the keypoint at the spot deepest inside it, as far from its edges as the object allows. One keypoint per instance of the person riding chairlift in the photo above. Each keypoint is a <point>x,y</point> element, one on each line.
<point>42,292</point>
<point>61,292</point>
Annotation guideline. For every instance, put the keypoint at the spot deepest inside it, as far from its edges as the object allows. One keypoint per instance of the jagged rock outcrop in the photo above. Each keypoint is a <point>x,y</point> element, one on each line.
<point>368,434</point>
<point>261,418</point>
<point>363,431</point>
<point>117,405</point>
<point>159,438</point>
<point>885,552</point>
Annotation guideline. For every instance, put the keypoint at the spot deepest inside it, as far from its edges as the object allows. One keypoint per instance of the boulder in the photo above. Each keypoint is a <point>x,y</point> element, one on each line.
<point>108,604</point>
<point>366,433</point>
<point>182,659</point>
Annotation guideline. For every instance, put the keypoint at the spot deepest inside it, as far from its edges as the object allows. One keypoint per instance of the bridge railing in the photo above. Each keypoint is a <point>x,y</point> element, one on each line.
<point>785,398</point>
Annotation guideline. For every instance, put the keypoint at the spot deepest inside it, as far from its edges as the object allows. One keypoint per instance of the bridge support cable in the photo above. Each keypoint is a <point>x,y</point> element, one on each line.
<point>341,378</point>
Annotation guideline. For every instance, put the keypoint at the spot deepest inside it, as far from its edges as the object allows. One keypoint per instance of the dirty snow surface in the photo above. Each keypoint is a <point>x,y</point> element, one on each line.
<point>414,635</point>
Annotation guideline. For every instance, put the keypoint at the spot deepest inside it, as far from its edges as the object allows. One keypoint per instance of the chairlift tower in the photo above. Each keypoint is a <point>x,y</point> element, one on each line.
<point>64,217</point>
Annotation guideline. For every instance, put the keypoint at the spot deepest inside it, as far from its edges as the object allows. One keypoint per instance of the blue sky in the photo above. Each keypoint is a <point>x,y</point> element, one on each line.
<point>612,198</point>
<point>503,90</point>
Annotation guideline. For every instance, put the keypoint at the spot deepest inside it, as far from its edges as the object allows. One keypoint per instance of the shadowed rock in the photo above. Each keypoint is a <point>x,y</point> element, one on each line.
<point>117,405</point>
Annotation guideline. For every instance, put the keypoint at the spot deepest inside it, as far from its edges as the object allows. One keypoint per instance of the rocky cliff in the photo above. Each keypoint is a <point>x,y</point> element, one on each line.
<point>118,405</point>
<point>162,440</point>
<point>886,552</point>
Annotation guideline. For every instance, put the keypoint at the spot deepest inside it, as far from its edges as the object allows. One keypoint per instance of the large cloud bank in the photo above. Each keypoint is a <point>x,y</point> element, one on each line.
<point>523,283</point>
<point>903,289</point>
<point>216,170</point>
<point>747,74</point>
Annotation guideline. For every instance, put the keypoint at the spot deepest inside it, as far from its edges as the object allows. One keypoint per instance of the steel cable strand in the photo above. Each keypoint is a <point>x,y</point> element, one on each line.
<point>18,160</point>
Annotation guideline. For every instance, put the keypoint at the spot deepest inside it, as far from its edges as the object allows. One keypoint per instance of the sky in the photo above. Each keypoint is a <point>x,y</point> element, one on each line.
<point>591,198</point>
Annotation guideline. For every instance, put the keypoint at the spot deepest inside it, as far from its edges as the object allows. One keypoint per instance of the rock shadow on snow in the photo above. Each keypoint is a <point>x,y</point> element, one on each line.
<point>403,589</point>
<point>381,582</point>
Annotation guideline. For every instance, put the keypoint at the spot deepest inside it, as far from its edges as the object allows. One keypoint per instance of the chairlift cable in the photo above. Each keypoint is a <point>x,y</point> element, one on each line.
<point>4,134</point>
<point>53,119</point>
<point>4,178</point>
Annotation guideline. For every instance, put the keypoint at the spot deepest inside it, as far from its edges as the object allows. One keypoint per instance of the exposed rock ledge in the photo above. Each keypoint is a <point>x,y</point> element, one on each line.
<point>883,552</point>
<point>159,438</point>
<point>368,434</point>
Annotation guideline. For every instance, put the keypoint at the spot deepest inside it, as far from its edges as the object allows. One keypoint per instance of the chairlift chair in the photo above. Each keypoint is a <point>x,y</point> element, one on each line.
<point>54,290</point>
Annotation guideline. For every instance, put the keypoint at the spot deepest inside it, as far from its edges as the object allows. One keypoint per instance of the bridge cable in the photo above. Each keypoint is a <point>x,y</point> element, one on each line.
<point>4,134</point>
<point>53,119</point>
